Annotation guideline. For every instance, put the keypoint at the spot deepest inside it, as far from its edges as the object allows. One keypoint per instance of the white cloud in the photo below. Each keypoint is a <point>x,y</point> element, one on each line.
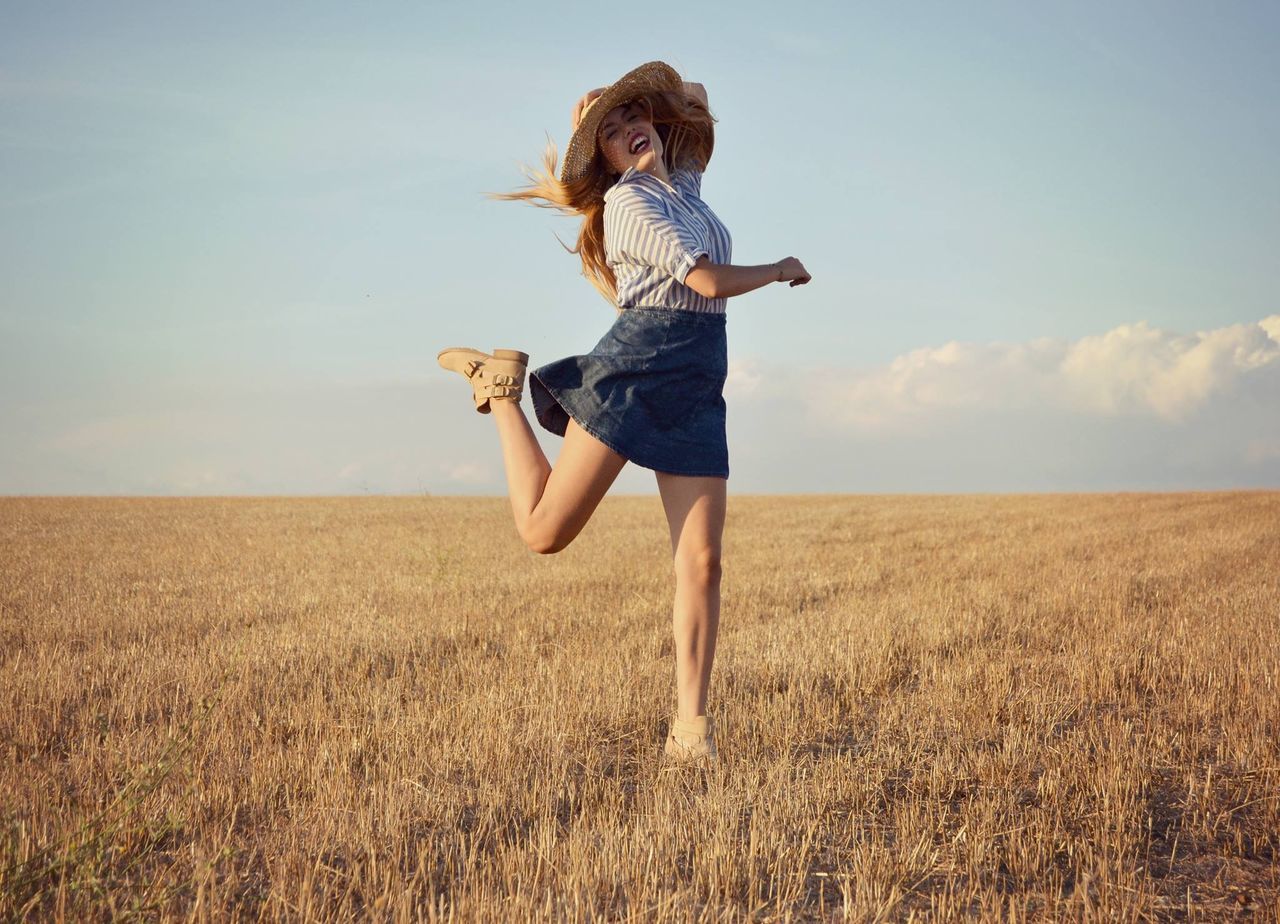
<point>148,424</point>
<point>1135,408</point>
<point>1260,451</point>
<point>473,473</point>
<point>192,479</point>
<point>1134,369</point>
<point>742,380</point>
<point>110,432</point>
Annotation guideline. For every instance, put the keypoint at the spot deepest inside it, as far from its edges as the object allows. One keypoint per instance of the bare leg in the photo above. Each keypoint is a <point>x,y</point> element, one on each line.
<point>695,510</point>
<point>551,505</point>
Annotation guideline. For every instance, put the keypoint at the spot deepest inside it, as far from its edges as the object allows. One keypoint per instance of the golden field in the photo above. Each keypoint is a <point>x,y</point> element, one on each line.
<point>1015,707</point>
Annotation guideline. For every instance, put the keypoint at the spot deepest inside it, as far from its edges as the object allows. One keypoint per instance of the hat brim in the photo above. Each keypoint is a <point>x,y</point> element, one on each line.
<point>653,75</point>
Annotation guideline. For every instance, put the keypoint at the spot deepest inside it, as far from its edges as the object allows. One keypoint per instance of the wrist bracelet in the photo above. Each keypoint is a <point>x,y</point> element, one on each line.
<point>779,266</point>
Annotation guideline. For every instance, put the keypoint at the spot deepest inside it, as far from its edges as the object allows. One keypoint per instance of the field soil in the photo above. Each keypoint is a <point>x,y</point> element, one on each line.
<point>1015,707</point>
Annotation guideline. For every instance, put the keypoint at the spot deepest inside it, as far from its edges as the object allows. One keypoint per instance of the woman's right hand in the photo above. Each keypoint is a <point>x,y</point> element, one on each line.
<point>793,270</point>
<point>582,104</point>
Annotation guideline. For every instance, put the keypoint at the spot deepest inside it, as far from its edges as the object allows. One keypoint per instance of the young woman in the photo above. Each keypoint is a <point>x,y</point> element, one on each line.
<point>650,391</point>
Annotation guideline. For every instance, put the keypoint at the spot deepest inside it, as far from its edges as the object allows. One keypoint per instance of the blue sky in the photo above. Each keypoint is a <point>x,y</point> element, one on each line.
<point>1042,239</point>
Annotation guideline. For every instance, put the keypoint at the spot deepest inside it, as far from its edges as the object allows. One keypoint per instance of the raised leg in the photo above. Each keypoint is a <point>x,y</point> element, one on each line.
<point>551,505</point>
<point>695,510</point>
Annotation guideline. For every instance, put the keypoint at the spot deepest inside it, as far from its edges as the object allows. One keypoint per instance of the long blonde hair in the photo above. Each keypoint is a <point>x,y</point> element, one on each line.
<point>687,130</point>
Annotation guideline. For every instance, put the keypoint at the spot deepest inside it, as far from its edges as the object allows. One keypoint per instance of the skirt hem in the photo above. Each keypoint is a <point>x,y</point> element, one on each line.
<point>580,419</point>
<point>651,390</point>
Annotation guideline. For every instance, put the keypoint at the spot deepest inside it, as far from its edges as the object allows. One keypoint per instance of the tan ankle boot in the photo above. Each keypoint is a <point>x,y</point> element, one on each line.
<point>496,376</point>
<point>692,741</point>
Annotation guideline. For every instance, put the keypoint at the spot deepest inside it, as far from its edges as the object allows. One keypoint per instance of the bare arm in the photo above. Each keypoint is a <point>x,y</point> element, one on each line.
<point>725,280</point>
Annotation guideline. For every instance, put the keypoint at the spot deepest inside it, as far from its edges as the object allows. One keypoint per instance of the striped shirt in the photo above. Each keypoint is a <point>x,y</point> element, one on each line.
<point>654,233</point>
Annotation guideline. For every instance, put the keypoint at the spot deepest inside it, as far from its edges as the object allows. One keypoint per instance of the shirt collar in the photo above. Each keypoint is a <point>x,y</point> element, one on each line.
<point>633,171</point>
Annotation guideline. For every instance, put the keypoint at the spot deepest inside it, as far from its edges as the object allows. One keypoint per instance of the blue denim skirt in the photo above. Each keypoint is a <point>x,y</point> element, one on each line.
<point>651,390</point>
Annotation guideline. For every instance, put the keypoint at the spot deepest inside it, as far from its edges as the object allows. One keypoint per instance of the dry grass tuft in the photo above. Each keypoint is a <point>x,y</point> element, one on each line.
<point>1023,707</point>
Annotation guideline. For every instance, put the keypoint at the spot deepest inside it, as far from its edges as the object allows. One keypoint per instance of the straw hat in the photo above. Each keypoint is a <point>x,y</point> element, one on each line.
<point>655,75</point>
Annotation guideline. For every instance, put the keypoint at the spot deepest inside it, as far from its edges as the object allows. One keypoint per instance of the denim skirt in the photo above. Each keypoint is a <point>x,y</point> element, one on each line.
<point>652,390</point>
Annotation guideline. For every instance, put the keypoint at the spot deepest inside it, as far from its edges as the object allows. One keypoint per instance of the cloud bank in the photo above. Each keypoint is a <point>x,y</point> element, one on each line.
<point>1132,370</point>
<point>1134,408</point>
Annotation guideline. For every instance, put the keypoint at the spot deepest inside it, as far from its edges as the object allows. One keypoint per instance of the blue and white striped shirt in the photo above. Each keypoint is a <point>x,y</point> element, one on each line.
<point>654,233</point>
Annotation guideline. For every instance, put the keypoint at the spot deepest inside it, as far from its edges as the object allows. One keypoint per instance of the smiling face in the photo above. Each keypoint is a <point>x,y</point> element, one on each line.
<point>620,138</point>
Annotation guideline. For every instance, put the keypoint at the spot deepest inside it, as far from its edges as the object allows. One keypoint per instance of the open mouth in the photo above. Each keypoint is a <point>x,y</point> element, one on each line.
<point>639,143</point>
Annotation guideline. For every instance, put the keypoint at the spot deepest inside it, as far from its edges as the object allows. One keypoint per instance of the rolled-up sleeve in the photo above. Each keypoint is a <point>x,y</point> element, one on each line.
<point>638,231</point>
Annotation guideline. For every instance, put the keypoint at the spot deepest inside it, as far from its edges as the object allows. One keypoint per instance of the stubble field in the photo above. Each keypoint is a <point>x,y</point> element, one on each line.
<point>929,708</point>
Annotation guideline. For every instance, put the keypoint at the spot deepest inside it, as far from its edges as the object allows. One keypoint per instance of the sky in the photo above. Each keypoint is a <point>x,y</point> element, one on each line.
<point>1042,237</point>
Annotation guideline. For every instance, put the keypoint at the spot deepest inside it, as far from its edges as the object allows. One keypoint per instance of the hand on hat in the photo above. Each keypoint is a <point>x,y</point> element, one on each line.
<point>582,104</point>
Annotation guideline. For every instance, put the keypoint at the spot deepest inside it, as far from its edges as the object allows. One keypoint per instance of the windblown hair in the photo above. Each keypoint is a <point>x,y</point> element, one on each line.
<point>687,130</point>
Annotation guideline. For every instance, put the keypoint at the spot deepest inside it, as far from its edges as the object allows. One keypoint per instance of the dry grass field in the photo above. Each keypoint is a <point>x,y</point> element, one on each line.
<point>930,708</point>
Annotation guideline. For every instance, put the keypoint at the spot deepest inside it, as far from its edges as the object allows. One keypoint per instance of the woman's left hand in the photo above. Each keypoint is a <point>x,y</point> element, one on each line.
<point>582,104</point>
